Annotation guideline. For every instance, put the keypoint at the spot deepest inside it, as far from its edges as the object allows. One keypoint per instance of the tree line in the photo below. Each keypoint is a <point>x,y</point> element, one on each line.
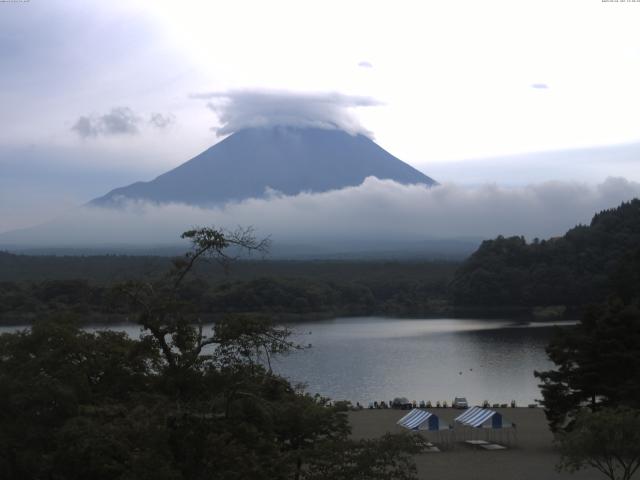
<point>592,396</point>
<point>284,297</point>
<point>582,267</point>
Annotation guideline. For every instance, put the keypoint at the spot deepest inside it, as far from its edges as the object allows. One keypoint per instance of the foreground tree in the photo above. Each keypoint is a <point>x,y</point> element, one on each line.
<point>598,364</point>
<point>390,457</point>
<point>163,312</point>
<point>179,403</point>
<point>607,440</point>
<point>592,398</point>
<point>55,375</point>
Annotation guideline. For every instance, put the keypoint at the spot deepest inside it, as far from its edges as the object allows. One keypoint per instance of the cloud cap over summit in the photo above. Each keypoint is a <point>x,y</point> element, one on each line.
<point>241,109</point>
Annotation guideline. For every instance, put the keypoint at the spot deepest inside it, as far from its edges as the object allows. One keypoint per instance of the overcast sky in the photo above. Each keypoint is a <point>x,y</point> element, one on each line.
<point>98,94</point>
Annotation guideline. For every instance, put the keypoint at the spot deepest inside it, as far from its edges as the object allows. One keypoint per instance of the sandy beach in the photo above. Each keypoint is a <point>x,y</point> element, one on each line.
<point>532,457</point>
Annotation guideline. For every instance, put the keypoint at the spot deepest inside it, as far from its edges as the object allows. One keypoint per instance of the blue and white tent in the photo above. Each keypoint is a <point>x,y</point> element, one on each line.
<point>429,424</point>
<point>486,423</point>
<point>479,417</point>
<point>418,419</point>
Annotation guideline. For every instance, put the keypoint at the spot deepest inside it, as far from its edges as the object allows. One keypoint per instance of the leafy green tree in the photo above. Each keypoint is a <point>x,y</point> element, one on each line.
<point>389,457</point>
<point>597,364</point>
<point>179,403</point>
<point>607,440</point>
<point>162,312</point>
<point>572,270</point>
<point>53,374</point>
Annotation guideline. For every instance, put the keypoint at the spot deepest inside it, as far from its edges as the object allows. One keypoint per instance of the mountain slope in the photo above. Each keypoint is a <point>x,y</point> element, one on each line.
<point>289,160</point>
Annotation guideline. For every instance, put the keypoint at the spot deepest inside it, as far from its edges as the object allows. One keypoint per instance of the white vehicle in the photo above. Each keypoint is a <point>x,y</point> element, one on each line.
<point>460,402</point>
<point>402,403</point>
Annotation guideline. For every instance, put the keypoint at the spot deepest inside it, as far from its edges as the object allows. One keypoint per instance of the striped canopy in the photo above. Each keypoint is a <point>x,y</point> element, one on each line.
<point>478,417</point>
<point>418,419</point>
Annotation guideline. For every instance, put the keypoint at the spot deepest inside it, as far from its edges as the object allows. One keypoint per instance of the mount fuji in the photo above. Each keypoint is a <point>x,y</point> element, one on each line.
<point>253,161</point>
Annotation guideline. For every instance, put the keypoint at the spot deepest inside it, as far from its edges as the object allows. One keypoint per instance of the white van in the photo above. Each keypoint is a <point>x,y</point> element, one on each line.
<point>460,402</point>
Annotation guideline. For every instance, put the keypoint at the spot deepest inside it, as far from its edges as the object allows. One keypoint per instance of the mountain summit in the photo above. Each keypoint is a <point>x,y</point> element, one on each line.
<point>289,160</point>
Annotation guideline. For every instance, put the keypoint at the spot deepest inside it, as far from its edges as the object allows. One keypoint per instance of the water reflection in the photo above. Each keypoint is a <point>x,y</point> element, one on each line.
<point>366,359</point>
<point>376,359</point>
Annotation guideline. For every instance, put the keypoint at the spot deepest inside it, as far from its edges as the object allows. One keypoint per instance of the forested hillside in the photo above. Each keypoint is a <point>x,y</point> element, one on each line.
<point>574,270</point>
<point>109,268</point>
<point>287,289</point>
<point>504,277</point>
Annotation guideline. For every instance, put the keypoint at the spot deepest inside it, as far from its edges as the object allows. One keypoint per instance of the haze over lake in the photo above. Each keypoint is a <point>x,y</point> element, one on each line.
<point>372,358</point>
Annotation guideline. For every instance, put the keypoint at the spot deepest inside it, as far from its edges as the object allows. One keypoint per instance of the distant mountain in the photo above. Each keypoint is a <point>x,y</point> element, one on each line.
<point>289,160</point>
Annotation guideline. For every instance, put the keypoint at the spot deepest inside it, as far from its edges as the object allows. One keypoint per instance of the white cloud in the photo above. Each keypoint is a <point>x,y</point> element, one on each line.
<point>161,121</point>
<point>240,109</point>
<point>378,210</point>
<point>120,120</point>
<point>540,86</point>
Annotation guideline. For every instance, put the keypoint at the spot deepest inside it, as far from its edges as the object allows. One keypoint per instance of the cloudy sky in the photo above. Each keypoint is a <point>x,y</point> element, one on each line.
<point>96,94</point>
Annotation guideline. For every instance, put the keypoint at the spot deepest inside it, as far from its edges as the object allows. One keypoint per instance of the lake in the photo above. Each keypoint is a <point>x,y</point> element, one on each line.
<point>366,359</point>
<point>372,358</point>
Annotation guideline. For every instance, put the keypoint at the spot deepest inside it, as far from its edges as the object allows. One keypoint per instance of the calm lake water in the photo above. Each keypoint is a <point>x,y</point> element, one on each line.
<point>366,359</point>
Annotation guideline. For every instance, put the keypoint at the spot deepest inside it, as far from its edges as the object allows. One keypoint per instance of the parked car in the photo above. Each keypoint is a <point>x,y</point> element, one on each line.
<point>460,402</point>
<point>402,403</point>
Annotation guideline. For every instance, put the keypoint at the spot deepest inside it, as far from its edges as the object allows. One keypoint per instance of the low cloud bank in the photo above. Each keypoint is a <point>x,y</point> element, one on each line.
<point>240,109</point>
<point>378,211</point>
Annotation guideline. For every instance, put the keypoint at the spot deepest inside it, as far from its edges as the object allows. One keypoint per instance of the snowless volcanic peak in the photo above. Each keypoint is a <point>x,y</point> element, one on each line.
<point>253,161</point>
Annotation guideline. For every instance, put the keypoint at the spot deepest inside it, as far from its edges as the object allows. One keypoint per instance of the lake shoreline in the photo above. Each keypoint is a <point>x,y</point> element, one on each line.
<point>517,314</point>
